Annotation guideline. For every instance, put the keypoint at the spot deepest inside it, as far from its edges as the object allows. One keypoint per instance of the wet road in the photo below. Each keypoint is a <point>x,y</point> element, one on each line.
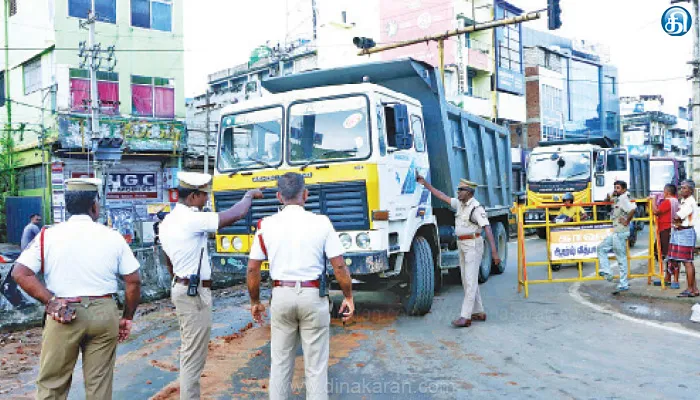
<point>548,346</point>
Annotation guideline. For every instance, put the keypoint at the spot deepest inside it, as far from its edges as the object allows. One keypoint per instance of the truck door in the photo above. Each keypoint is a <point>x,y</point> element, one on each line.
<point>617,166</point>
<point>399,177</point>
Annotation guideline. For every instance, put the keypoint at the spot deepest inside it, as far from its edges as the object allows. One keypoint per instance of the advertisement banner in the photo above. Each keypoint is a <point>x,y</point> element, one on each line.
<point>128,186</point>
<point>577,242</point>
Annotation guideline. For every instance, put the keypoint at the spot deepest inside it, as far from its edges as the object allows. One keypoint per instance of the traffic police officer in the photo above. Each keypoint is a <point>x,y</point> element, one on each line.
<point>80,260</point>
<point>296,243</point>
<point>470,218</point>
<point>184,234</point>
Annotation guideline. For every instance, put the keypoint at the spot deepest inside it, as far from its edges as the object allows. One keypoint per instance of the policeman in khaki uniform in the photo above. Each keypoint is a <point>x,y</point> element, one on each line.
<point>297,243</point>
<point>184,234</point>
<point>470,219</point>
<point>80,260</point>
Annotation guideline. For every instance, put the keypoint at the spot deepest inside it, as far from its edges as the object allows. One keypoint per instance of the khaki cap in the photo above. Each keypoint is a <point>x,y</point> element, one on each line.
<point>465,184</point>
<point>195,180</point>
<point>83,184</point>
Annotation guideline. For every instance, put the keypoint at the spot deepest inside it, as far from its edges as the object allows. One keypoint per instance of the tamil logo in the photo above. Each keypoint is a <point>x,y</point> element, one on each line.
<point>676,21</point>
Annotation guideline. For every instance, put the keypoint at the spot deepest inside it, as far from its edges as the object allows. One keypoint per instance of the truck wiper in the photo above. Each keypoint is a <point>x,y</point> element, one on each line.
<point>326,153</point>
<point>261,162</point>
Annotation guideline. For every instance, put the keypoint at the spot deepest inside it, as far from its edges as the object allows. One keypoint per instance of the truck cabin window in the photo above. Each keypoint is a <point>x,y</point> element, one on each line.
<point>251,140</point>
<point>559,167</point>
<point>330,129</point>
<point>662,173</point>
<point>617,161</point>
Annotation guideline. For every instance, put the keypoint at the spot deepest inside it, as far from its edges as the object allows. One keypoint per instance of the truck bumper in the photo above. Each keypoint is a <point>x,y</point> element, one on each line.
<point>358,263</point>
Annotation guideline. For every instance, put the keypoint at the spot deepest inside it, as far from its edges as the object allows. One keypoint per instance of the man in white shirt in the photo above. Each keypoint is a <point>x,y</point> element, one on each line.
<point>184,234</point>
<point>80,260</point>
<point>297,242</point>
<point>683,237</point>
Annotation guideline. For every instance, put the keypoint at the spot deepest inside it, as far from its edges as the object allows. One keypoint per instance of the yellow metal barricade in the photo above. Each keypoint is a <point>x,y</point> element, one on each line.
<point>550,210</point>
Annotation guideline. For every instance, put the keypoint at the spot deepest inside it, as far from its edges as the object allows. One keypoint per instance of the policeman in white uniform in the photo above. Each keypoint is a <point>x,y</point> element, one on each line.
<point>184,234</point>
<point>470,219</point>
<point>80,260</point>
<point>296,243</point>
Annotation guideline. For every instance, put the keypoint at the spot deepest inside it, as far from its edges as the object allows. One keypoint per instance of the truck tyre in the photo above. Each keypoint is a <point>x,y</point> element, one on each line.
<point>500,234</point>
<point>420,270</point>
<point>542,233</point>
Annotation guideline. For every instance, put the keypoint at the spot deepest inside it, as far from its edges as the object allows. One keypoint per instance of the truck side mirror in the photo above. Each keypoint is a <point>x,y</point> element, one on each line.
<point>404,139</point>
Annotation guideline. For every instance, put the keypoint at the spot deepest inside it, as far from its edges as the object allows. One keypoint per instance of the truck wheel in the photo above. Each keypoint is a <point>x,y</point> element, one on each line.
<point>421,278</point>
<point>501,236</point>
<point>542,233</point>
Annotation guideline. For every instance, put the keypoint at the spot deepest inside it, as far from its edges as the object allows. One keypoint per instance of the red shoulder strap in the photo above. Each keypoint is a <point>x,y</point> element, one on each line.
<point>41,247</point>
<point>262,241</point>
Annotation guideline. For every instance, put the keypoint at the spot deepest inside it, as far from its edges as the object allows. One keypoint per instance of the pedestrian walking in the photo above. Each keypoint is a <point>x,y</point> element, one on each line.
<point>665,212</point>
<point>622,214</point>
<point>30,231</point>
<point>470,219</point>
<point>683,237</point>
<point>184,236</point>
<point>297,243</point>
<point>80,260</point>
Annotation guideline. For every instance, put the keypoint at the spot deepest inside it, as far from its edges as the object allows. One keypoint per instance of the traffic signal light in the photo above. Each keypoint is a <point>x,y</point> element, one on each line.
<point>554,14</point>
<point>363,42</point>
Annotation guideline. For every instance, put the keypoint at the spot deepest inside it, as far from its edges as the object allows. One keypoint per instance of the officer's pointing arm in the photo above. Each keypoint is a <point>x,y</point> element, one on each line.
<point>238,210</point>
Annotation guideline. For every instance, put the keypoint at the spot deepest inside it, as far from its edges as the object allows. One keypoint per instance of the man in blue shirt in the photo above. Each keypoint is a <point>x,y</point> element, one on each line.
<point>31,230</point>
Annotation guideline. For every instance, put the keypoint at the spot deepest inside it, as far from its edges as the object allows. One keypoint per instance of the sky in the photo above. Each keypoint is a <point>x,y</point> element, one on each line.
<point>220,34</point>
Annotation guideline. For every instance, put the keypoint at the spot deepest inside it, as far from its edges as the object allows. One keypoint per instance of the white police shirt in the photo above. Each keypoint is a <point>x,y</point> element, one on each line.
<point>183,234</point>
<point>296,241</point>
<point>81,258</point>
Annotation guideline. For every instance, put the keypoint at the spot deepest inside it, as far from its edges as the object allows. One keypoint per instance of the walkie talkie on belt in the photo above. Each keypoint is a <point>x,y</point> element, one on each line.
<point>193,285</point>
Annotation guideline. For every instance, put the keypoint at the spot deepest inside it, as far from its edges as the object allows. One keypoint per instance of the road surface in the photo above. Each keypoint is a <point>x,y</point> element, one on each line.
<point>551,345</point>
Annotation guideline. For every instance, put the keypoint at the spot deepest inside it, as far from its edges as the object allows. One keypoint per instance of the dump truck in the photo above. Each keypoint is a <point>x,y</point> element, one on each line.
<point>359,135</point>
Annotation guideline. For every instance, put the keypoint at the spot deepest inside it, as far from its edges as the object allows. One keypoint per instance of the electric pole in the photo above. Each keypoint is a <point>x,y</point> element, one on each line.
<point>208,106</point>
<point>8,139</point>
<point>92,59</point>
<point>695,106</point>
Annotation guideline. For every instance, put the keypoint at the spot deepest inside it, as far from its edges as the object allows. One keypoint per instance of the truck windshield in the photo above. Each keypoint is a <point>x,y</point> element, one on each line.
<point>661,173</point>
<point>251,140</point>
<point>560,166</point>
<point>331,129</point>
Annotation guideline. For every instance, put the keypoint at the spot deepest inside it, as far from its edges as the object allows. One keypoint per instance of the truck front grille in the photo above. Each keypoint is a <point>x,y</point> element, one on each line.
<point>345,204</point>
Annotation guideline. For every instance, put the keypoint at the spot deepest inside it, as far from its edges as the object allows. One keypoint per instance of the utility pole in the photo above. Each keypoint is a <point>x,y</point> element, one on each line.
<point>92,59</point>
<point>208,106</point>
<point>8,142</point>
<point>695,107</point>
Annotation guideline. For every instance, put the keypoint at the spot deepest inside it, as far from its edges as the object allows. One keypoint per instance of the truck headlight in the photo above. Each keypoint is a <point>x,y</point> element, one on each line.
<point>237,243</point>
<point>225,243</point>
<point>345,240</point>
<point>362,240</point>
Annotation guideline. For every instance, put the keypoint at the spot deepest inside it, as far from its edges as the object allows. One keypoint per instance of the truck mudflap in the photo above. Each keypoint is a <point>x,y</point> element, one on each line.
<point>358,263</point>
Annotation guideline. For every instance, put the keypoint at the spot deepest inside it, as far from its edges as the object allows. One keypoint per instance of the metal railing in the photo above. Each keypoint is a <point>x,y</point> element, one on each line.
<point>593,224</point>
